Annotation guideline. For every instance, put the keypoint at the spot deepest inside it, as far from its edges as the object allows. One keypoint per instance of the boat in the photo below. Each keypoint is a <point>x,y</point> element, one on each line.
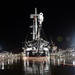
<point>38,46</point>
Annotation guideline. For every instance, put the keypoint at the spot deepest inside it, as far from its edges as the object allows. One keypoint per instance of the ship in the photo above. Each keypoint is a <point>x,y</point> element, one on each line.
<point>38,46</point>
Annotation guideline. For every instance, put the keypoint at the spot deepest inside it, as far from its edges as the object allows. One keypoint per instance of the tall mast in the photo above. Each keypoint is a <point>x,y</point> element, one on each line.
<point>40,20</point>
<point>35,24</point>
<point>37,28</point>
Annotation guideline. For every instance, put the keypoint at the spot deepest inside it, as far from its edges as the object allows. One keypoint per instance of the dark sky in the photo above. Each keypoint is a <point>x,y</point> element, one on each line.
<point>59,22</point>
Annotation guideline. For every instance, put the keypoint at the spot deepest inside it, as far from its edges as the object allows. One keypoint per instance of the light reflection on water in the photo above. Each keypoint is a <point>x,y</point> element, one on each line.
<point>55,67</point>
<point>6,63</point>
<point>34,67</point>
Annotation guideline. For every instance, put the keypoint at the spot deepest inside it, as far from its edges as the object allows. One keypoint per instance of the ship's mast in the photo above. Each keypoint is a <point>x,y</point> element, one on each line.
<point>38,18</point>
<point>34,24</point>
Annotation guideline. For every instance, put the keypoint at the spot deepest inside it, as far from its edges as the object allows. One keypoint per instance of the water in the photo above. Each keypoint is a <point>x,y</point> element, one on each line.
<point>36,67</point>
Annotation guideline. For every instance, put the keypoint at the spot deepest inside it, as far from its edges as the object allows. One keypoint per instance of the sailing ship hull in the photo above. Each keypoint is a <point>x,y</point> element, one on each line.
<point>31,54</point>
<point>35,54</point>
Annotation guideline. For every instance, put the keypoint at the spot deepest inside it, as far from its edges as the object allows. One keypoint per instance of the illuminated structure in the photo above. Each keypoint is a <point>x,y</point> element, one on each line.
<point>37,46</point>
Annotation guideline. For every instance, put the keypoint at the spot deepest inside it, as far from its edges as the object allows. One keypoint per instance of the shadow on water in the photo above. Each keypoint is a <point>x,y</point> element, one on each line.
<point>34,67</point>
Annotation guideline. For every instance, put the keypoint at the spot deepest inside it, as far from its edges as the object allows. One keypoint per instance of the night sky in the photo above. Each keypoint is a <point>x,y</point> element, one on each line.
<point>59,23</point>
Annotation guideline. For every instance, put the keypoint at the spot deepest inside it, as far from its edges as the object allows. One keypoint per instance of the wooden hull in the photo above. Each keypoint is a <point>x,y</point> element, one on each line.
<point>36,58</point>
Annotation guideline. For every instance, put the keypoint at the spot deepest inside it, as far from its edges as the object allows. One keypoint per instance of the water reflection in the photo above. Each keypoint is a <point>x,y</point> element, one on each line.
<point>2,65</point>
<point>32,67</point>
<point>35,67</point>
<point>38,67</point>
<point>6,63</point>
